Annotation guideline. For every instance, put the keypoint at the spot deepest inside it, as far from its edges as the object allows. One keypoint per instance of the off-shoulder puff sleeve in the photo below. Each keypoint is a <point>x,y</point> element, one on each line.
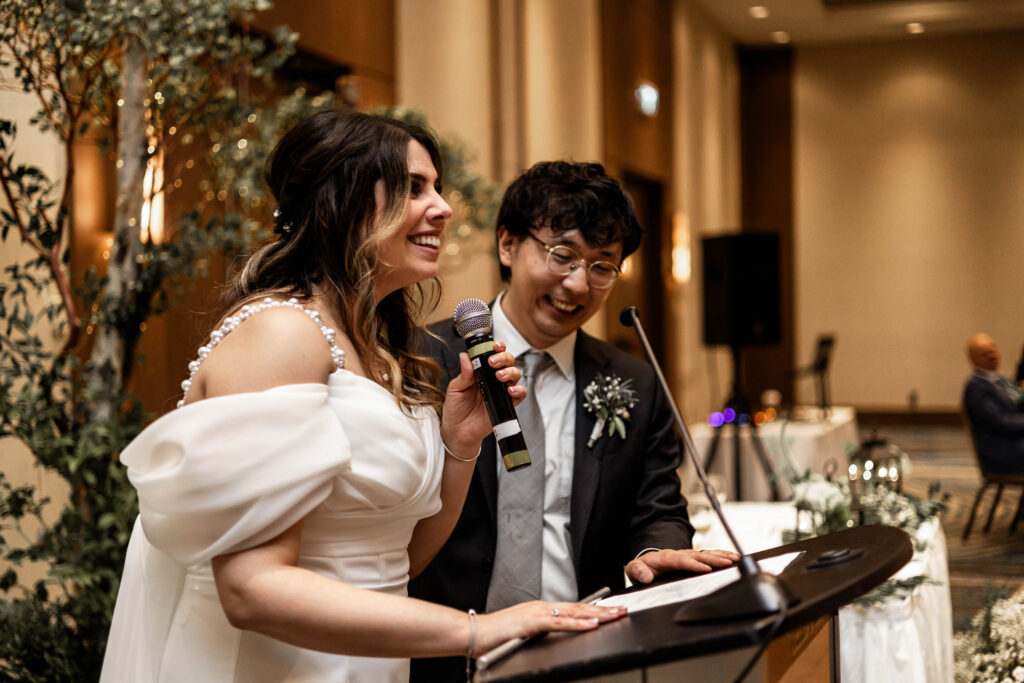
<point>215,477</point>
<point>232,472</point>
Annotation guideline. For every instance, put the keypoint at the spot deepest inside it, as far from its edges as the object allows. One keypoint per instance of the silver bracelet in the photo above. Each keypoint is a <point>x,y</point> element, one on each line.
<point>472,641</point>
<point>449,452</point>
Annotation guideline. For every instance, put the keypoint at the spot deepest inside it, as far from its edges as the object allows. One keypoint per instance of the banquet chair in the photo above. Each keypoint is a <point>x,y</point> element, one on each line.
<point>1000,481</point>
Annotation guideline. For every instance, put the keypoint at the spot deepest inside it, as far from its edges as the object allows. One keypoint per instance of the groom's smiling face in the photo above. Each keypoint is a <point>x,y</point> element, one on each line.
<point>543,306</point>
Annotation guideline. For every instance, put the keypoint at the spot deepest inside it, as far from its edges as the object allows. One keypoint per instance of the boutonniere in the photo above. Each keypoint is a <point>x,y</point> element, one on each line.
<point>609,398</point>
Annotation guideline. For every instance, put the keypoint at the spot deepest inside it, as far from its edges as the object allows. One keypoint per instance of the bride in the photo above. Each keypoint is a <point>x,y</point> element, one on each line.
<point>313,465</point>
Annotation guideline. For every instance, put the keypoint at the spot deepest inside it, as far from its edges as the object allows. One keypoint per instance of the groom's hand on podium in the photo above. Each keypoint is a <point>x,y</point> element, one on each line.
<point>649,566</point>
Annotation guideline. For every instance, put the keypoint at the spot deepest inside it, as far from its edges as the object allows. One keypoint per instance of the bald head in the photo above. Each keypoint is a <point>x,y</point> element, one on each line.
<point>982,351</point>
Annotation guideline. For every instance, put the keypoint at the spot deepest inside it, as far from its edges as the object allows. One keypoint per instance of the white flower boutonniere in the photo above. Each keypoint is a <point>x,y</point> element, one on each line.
<point>609,398</point>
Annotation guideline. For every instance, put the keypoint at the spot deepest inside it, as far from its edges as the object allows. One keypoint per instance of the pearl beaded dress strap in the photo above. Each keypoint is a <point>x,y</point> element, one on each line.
<point>243,314</point>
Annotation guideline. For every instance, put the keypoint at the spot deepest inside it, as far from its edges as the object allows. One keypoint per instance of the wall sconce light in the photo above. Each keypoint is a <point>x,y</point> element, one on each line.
<point>681,248</point>
<point>151,228</point>
<point>647,99</point>
<point>627,268</point>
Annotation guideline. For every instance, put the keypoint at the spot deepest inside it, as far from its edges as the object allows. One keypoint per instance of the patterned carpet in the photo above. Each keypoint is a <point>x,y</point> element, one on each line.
<point>985,561</point>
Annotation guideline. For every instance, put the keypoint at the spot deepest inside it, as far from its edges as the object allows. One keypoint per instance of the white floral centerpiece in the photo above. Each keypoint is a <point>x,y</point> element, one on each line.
<point>991,650</point>
<point>829,505</point>
<point>826,501</point>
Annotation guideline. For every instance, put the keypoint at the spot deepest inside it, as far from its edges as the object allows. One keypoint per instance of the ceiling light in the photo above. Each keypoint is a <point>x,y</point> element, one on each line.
<point>915,27</point>
<point>780,37</point>
<point>758,12</point>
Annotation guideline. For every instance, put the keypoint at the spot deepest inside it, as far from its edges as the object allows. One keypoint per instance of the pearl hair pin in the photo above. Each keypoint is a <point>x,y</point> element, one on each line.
<point>243,314</point>
<point>280,226</point>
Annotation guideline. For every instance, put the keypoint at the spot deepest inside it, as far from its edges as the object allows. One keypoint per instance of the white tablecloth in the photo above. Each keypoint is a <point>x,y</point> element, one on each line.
<point>809,442</point>
<point>899,641</point>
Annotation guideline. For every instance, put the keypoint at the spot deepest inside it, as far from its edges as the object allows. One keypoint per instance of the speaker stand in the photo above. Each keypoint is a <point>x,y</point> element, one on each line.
<point>742,406</point>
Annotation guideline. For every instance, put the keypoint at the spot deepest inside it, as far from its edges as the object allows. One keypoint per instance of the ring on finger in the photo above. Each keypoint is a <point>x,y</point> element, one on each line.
<point>554,612</point>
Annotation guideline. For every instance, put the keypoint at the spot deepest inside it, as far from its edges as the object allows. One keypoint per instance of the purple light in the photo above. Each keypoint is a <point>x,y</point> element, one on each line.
<point>729,414</point>
<point>716,419</point>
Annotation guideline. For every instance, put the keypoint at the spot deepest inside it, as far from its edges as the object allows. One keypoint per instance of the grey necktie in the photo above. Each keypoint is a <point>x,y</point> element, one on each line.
<point>517,561</point>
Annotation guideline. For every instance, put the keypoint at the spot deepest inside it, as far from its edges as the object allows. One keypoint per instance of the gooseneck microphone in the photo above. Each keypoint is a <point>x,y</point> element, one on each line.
<point>755,593</point>
<point>473,322</point>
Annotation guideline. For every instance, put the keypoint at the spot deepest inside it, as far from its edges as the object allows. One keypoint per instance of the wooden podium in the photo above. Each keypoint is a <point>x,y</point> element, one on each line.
<point>648,640</point>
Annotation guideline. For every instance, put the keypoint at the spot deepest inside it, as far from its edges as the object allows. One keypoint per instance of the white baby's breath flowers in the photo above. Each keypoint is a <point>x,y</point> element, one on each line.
<point>991,650</point>
<point>817,495</point>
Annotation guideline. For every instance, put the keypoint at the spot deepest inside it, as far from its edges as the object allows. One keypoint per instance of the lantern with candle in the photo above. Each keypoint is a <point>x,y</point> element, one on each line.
<point>876,462</point>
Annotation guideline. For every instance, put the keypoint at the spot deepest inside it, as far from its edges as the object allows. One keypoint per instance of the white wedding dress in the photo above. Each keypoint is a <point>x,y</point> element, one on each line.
<point>228,473</point>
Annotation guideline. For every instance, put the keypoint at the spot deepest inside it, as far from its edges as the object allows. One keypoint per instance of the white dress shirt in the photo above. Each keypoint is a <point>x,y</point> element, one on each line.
<point>555,390</point>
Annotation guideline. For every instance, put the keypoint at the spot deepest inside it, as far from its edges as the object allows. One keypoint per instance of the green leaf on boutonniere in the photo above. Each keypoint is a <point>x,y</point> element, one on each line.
<point>619,426</point>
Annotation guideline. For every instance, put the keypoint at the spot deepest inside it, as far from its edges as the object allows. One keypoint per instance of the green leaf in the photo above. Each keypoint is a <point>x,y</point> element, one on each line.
<point>8,580</point>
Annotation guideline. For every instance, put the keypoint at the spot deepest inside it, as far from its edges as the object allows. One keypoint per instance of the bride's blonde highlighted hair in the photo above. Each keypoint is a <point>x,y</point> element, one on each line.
<point>323,173</point>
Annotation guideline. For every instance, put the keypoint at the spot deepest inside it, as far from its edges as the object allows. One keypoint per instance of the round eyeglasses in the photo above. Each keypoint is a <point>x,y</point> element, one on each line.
<point>564,261</point>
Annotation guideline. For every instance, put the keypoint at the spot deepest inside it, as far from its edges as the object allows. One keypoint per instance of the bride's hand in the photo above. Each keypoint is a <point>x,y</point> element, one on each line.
<point>464,422</point>
<point>530,618</point>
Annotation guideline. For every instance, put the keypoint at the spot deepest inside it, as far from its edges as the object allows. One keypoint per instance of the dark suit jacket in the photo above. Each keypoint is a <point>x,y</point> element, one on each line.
<point>625,494</point>
<point>997,425</point>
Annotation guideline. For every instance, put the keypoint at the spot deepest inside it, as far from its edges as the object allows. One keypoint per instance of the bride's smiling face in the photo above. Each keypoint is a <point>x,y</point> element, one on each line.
<point>411,253</point>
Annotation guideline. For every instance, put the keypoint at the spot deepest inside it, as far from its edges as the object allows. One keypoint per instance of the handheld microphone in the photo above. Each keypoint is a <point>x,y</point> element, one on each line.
<point>755,592</point>
<point>473,322</point>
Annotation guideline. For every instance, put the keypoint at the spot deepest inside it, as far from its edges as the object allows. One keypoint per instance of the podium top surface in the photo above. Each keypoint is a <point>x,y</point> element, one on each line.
<point>651,636</point>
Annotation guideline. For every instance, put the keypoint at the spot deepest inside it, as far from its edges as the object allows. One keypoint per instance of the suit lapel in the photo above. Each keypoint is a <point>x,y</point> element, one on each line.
<point>588,359</point>
<point>487,472</point>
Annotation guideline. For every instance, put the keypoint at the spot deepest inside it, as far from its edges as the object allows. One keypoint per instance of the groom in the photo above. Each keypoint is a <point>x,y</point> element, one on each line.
<point>587,509</point>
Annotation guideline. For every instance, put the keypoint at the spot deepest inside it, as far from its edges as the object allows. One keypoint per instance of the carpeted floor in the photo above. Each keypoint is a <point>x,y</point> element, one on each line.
<point>985,561</point>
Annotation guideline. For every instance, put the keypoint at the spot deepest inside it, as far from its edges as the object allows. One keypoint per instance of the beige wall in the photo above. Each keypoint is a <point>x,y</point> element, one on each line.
<point>909,211</point>
<point>443,51</point>
<point>43,150</point>
<point>562,73</point>
<point>444,68</point>
<point>518,80</point>
<point>706,189</point>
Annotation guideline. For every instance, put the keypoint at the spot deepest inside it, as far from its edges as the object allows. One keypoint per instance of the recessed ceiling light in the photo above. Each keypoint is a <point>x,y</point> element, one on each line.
<point>915,27</point>
<point>780,37</point>
<point>758,12</point>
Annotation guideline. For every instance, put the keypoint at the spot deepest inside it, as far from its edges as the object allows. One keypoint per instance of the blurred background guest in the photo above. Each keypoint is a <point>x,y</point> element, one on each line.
<point>994,405</point>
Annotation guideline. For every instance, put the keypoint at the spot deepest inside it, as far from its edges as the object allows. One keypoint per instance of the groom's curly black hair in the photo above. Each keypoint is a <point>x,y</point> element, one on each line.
<point>565,195</point>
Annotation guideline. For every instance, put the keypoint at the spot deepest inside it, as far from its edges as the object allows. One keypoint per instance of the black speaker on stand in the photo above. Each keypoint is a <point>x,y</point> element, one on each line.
<point>741,309</point>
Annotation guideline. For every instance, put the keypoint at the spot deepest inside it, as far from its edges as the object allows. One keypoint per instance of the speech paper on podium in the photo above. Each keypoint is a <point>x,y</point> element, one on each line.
<point>691,587</point>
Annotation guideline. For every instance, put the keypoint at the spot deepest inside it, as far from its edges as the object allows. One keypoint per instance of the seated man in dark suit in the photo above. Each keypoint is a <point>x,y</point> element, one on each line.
<point>994,405</point>
<point>594,504</point>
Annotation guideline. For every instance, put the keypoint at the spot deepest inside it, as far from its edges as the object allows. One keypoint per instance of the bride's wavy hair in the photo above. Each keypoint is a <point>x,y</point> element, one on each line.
<point>323,174</point>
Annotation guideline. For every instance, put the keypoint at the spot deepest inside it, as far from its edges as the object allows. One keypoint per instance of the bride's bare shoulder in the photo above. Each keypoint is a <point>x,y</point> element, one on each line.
<point>277,346</point>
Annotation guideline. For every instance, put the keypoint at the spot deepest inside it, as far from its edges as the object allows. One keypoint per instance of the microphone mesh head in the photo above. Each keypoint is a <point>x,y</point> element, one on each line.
<point>472,316</point>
